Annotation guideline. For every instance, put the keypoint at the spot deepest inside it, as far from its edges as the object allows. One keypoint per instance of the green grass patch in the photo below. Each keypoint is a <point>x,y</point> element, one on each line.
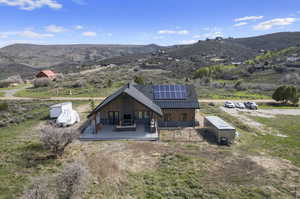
<point>16,87</point>
<point>188,176</point>
<point>277,106</point>
<point>48,92</point>
<point>212,70</point>
<point>274,54</point>
<point>87,91</point>
<point>2,94</point>
<point>283,147</point>
<point>22,156</point>
<point>230,95</point>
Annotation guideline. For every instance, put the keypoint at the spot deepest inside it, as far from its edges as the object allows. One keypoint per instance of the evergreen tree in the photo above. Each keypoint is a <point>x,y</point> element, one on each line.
<point>138,80</point>
<point>286,94</point>
<point>109,83</point>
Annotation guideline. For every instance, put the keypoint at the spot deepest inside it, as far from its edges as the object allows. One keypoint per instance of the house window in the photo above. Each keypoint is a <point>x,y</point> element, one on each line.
<point>184,117</point>
<point>167,117</point>
<point>139,115</point>
<point>146,115</point>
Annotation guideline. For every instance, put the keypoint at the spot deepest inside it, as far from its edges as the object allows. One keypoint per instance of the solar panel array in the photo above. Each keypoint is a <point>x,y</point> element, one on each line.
<point>164,92</point>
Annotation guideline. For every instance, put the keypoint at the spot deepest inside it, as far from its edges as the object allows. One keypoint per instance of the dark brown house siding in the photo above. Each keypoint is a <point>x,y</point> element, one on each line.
<point>125,104</point>
<point>177,118</point>
<point>179,115</point>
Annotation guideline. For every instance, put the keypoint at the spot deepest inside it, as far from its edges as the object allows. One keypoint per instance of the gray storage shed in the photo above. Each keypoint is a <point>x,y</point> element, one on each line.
<point>222,130</point>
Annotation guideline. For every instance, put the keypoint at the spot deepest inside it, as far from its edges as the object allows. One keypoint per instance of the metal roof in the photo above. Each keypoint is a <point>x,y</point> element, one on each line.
<point>130,90</point>
<point>176,104</point>
<point>219,123</point>
<point>48,73</point>
<point>191,100</point>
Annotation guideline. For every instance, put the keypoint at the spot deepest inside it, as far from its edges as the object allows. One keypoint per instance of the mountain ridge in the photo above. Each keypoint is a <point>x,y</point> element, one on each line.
<point>73,57</point>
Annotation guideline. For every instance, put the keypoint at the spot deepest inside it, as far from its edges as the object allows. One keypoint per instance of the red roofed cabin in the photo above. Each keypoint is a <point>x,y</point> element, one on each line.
<point>47,74</point>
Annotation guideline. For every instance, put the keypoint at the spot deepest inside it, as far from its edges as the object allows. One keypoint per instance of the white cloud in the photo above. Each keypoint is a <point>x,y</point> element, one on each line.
<point>213,35</point>
<point>89,34</point>
<point>55,29</point>
<point>109,34</point>
<point>31,34</point>
<point>25,33</point>
<point>78,27</point>
<point>32,4</point>
<point>158,37</point>
<point>173,32</point>
<point>189,41</point>
<point>3,36</point>
<point>240,24</point>
<point>198,36</point>
<point>274,22</point>
<point>249,18</point>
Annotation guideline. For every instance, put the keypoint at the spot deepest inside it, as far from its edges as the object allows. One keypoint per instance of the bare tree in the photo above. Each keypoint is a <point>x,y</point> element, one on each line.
<point>38,190</point>
<point>42,82</point>
<point>72,182</point>
<point>56,139</point>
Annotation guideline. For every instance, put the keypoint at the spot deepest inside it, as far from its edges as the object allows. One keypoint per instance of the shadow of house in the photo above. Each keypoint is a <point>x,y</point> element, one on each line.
<point>207,136</point>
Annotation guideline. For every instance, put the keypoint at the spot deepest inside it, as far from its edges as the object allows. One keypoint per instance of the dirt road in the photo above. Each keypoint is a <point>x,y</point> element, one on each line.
<point>9,97</point>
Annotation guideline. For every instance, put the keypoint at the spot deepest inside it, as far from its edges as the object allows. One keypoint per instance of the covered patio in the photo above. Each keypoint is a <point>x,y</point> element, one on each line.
<point>109,132</point>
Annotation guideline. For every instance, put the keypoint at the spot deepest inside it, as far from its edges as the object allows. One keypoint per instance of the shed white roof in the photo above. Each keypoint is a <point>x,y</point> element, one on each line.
<point>219,123</point>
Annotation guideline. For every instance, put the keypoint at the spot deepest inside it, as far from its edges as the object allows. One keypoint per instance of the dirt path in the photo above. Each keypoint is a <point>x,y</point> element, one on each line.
<point>243,118</point>
<point>9,93</point>
<point>102,98</point>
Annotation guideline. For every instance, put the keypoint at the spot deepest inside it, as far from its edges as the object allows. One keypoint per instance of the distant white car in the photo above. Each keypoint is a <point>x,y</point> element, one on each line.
<point>229,104</point>
<point>251,105</point>
<point>240,105</point>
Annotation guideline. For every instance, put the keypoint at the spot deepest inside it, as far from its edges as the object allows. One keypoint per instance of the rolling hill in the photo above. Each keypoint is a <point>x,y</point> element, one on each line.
<point>43,56</point>
<point>180,59</point>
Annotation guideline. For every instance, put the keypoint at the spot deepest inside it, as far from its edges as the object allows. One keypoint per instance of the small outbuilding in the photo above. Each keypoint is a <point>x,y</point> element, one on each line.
<point>46,74</point>
<point>224,132</point>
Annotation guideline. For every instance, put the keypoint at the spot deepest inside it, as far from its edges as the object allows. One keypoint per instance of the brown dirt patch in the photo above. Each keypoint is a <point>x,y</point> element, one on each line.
<point>113,160</point>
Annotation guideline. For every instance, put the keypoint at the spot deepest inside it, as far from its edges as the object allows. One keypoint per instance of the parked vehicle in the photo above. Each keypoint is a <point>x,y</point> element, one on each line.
<point>251,105</point>
<point>229,104</point>
<point>240,105</point>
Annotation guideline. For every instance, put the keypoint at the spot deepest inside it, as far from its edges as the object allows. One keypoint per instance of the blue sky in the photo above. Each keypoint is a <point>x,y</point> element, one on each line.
<point>163,22</point>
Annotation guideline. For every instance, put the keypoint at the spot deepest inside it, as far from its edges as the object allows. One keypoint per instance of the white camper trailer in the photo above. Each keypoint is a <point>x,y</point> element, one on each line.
<point>68,118</point>
<point>224,132</point>
<point>64,114</point>
<point>57,109</point>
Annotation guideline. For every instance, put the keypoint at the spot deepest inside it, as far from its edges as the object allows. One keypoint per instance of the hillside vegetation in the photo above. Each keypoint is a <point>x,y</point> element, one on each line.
<point>181,59</point>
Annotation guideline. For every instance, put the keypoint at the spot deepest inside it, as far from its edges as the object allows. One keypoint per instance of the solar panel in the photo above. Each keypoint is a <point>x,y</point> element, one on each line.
<point>162,92</point>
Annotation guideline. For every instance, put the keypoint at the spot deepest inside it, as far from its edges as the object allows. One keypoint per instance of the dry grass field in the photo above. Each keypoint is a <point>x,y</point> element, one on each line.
<point>183,164</point>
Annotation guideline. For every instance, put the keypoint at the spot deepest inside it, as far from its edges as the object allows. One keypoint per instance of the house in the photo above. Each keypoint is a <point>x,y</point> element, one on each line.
<point>292,59</point>
<point>46,74</point>
<point>137,111</point>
